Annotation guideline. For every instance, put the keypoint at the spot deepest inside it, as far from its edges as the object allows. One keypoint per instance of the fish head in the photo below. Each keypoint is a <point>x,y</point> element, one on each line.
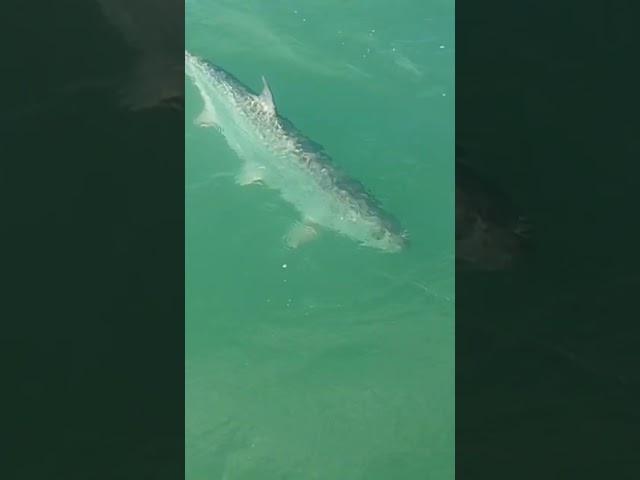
<point>491,234</point>
<point>490,246</point>
<point>385,237</point>
<point>173,102</point>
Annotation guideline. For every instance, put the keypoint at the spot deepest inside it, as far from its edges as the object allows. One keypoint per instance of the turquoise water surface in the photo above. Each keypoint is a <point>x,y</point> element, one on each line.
<point>331,361</point>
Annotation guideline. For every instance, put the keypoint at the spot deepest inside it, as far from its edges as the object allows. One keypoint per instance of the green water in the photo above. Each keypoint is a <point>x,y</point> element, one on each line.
<point>331,361</point>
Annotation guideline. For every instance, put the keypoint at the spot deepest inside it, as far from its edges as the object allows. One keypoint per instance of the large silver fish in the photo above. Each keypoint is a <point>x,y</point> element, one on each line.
<point>276,154</point>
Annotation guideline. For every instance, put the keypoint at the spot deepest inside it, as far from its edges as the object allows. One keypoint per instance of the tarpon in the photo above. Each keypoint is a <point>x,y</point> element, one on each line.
<point>274,153</point>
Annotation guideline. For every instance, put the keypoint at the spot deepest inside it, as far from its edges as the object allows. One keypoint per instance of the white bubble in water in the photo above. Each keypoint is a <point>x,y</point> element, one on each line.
<point>284,265</point>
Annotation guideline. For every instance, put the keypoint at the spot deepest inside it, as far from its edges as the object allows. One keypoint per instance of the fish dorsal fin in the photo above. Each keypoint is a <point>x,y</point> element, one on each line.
<point>266,97</point>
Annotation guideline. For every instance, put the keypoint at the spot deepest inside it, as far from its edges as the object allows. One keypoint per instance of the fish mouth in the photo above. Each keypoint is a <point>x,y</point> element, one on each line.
<point>389,242</point>
<point>174,102</point>
<point>492,247</point>
<point>398,242</point>
<point>404,240</point>
<point>523,228</point>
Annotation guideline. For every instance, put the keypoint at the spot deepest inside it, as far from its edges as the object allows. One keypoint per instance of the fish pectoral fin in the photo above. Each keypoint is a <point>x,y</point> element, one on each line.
<point>299,234</point>
<point>207,117</point>
<point>250,175</point>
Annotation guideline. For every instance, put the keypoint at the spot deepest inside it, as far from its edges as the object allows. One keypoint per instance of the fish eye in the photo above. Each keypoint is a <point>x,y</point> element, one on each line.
<point>378,233</point>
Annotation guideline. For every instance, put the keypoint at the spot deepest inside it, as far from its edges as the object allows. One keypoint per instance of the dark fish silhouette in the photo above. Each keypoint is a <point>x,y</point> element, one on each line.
<point>490,233</point>
<point>154,30</point>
